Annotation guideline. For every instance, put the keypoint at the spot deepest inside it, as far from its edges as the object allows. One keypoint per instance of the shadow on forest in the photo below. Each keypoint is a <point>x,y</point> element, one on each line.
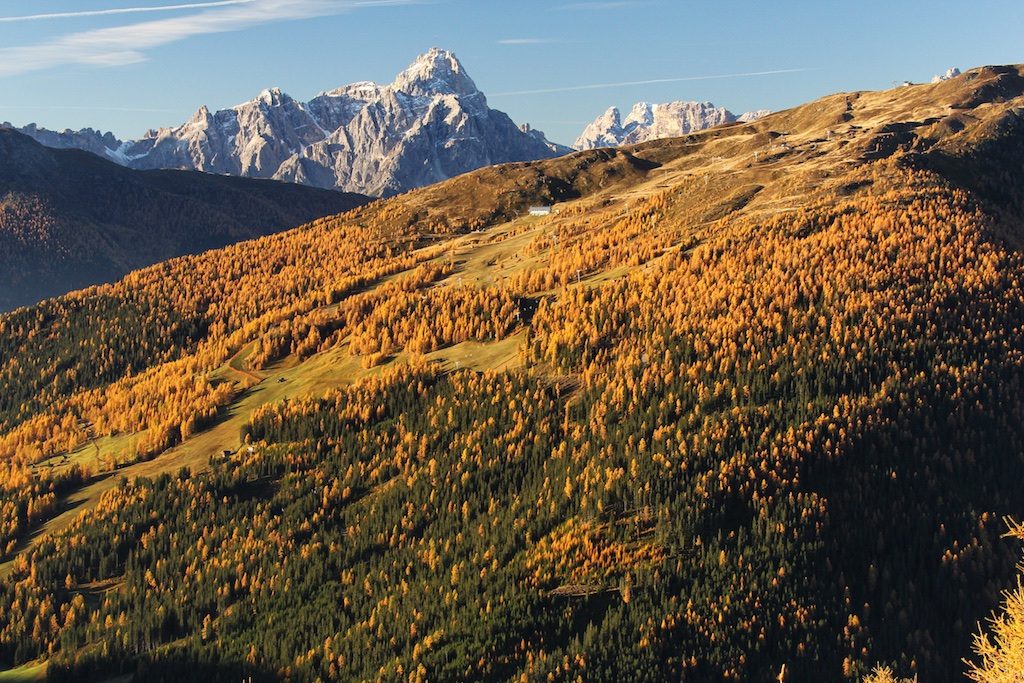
<point>991,172</point>
<point>167,667</point>
<point>65,504</point>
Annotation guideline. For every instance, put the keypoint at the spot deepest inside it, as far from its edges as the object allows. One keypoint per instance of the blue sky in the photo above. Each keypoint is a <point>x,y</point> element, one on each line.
<point>128,65</point>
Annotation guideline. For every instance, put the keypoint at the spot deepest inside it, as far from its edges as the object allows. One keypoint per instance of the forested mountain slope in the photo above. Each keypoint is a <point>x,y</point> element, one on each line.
<point>69,219</point>
<point>747,406</point>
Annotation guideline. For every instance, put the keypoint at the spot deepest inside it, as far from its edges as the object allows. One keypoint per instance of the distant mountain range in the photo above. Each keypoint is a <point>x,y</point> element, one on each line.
<point>655,121</point>
<point>69,219</point>
<point>430,124</point>
<point>947,75</point>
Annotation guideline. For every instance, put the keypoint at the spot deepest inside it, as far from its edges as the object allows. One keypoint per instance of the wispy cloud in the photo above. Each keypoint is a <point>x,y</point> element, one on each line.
<point>526,41</point>
<point>128,44</point>
<point>653,81</point>
<point>122,10</point>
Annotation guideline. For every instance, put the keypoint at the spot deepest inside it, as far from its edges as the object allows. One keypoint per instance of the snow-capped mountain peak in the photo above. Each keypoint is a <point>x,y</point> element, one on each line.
<point>437,72</point>
<point>642,114</point>
<point>360,90</point>
<point>950,73</point>
<point>272,97</point>
<point>647,121</point>
<point>749,116</point>
<point>201,115</point>
<point>612,116</point>
<point>605,131</point>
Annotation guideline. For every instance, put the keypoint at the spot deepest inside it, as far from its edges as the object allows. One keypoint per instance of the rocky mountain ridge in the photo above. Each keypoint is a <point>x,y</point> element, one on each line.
<point>431,123</point>
<point>648,121</point>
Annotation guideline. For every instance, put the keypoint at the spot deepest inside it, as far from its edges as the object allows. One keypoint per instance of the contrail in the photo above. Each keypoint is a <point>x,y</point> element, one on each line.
<point>122,10</point>
<point>653,81</point>
<point>524,41</point>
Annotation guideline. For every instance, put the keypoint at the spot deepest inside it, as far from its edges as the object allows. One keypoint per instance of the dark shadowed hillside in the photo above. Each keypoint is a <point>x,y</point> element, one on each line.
<point>69,219</point>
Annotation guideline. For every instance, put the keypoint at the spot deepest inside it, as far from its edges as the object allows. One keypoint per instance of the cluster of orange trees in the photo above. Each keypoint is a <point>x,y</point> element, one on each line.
<point>422,322</point>
<point>28,497</point>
